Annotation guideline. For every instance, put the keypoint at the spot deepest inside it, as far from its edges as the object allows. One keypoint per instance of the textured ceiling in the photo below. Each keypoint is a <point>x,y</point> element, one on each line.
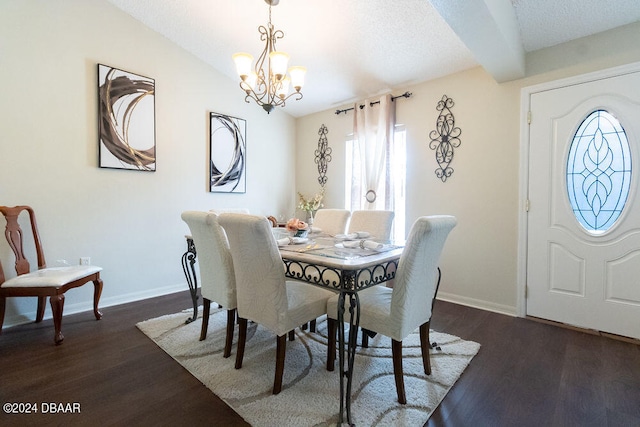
<point>354,49</point>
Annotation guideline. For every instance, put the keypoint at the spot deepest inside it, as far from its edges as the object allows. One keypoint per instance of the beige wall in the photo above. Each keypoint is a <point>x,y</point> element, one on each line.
<point>480,260</point>
<point>128,222</point>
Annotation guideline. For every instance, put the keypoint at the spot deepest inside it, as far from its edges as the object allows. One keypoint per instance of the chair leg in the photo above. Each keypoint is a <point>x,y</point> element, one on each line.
<point>40,310</point>
<point>3,302</point>
<point>332,328</point>
<point>97,291</point>
<point>242,339</point>
<point>231,321</point>
<point>206,310</point>
<point>396,351</point>
<point>281,351</point>
<point>365,338</point>
<point>425,345</point>
<point>312,326</point>
<point>57,305</point>
<point>292,335</point>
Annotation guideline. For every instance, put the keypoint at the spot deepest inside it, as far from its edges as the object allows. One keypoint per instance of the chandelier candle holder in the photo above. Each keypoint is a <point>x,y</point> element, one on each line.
<point>268,83</point>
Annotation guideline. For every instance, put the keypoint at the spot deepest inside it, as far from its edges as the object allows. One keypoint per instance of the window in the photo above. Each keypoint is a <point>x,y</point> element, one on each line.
<point>394,175</point>
<point>599,172</point>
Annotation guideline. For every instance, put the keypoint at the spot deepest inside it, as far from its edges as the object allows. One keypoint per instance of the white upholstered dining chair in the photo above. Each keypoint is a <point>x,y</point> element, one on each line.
<point>332,221</point>
<point>217,278</point>
<point>378,223</point>
<point>264,295</point>
<point>397,312</point>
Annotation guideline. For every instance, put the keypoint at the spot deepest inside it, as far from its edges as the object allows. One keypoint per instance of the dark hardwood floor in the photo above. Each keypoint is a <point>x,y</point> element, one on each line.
<point>526,373</point>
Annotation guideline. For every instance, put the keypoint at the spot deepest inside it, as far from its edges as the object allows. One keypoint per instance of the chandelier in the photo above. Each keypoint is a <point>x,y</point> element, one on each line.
<point>268,83</point>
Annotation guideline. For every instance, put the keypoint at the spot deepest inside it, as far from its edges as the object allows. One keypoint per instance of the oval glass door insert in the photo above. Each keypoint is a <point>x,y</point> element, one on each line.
<point>599,172</point>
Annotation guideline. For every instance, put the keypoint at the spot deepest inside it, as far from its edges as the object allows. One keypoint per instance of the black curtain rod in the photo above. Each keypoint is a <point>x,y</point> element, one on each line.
<point>371,104</point>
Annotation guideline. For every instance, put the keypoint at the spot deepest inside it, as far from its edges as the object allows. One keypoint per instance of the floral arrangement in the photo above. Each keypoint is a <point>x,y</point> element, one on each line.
<point>313,204</point>
<point>294,224</point>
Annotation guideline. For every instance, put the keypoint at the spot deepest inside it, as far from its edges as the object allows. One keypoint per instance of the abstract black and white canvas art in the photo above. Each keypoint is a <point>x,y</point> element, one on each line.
<point>126,112</point>
<point>227,149</point>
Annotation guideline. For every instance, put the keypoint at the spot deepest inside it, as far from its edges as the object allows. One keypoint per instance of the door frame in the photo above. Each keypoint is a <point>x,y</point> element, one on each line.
<point>523,219</point>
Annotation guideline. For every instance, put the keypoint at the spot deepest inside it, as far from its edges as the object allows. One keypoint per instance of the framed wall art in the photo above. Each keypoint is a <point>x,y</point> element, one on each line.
<point>227,154</point>
<point>126,110</point>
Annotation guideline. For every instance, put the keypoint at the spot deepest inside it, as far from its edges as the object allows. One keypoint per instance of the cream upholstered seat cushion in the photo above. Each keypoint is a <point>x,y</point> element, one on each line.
<point>399,311</point>
<point>217,277</point>
<point>264,295</point>
<point>51,277</point>
<point>376,222</point>
<point>332,221</point>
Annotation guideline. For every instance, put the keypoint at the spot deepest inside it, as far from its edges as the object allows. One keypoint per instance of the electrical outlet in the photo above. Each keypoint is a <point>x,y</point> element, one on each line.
<point>85,260</point>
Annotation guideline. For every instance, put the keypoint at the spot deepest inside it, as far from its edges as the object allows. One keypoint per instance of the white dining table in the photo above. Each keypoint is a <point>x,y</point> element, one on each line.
<point>323,261</point>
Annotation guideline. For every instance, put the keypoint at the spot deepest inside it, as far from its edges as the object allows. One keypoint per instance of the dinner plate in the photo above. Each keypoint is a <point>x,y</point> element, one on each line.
<point>296,241</point>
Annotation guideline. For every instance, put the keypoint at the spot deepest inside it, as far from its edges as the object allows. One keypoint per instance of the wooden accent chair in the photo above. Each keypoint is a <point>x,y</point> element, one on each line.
<point>217,278</point>
<point>264,296</point>
<point>397,312</point>
<point>45,282</point>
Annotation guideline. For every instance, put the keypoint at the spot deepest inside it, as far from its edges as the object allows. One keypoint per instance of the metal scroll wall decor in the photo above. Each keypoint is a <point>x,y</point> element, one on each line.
<point>445,138</point>
<point>323,155</point>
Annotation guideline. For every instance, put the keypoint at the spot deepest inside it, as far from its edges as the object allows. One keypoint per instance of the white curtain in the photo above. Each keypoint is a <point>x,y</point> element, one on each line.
<point>373,133</point>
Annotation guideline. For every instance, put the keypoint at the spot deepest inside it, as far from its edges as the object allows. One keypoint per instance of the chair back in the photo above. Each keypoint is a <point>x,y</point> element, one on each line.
<point>332,221</point>
<point>417,276</point>
<point>230,210</point>
<point>377,223</point>
<point>14,235</point>
<point>260,280</point>
<point>217,277</point>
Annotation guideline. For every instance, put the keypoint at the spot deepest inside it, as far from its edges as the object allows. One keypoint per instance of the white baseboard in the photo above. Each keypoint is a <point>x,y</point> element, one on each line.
<point>476,303</point>
<point>22,318</point>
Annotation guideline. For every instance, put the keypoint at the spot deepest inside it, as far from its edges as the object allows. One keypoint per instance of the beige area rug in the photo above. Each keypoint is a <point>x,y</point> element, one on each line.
<point>310,395</point>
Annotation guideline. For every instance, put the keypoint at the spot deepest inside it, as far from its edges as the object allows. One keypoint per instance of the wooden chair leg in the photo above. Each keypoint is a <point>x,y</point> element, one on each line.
<point>97,291</point>
<point>281,351</point>
<point>312,326</point>
<point>332,328</point>
<point>206,311</point>
<point>396,352</point>
<point>242,339</point>
<point>425,345</point>
<point>57,306</point>
<point>231,321</point>
<point>365,339</point>
<point>292,335</point>
<point>3,302</point>
<point>40,310</point>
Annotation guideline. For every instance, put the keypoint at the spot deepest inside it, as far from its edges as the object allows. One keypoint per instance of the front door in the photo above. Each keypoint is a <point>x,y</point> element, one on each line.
<point>583,250</point>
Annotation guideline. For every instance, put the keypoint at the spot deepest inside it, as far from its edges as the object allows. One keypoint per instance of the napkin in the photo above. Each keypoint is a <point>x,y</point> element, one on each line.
<point>353,236</point>
<point>291,241</point>
<point>364,244</point>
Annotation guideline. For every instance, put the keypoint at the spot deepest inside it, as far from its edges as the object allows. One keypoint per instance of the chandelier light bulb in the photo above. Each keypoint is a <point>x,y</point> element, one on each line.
<point>279,62</point>
<point>243,64</point>
<point>297,77</point>
<point>283,91</point>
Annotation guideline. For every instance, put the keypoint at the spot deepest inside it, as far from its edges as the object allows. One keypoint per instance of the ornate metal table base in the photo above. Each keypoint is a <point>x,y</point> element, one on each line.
<point>348,282</point>
<point>347,372</point>
<point>188,266</point>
